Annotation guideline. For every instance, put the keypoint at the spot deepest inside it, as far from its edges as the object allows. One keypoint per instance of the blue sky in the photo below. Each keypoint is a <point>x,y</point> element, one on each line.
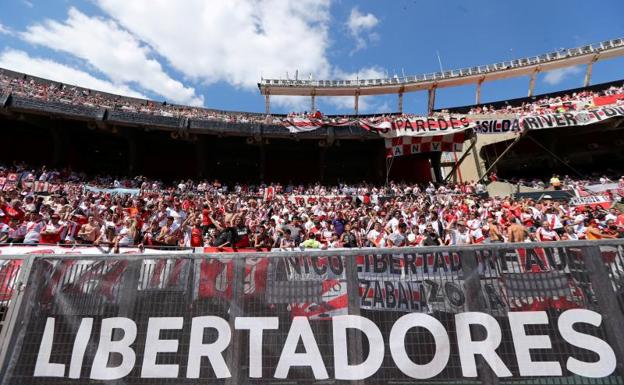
<point>212,53</point>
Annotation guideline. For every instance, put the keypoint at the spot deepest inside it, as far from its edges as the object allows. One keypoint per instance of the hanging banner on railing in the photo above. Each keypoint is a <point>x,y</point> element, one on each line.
<point>407,145</point>
<point>85,250</point>
<point>417,126</point>
<point>271,318</point>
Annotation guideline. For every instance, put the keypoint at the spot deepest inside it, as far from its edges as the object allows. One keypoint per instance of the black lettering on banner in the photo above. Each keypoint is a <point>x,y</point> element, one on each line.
<point>431,123</point>
<point>494,299</point>
<point>482,127</point>
<point>529,123</point>
<point>570,119</point>
<point>294,263</point>
<point>434,293</point>
<point>335,264</point>
<point>379,264</point>
<point>391,301</point>
<point>413,302</point>
<point>454,123</point>
<point>465,121</point>
<point>455,294</point>
<point>409,263</point>
<point>378,295</point>
<point>319,269</point>
<point>549,120</point>
<point>439,261</point>
<point>367,263</point>
<point>420,125</point>
<point>563,258</point>
<point>442,124</point>
<point>395,264</point>
<point>409,125</point>
<point>403,297</point>
<point>531,259</point>
<point>609,112</point>
<point>435,146</point>
<point>455,262</point>
<point>398,151</point>
<point>364,296</point>
<point>515,125</point>
<point>306,265</point>
<point>560,121</point>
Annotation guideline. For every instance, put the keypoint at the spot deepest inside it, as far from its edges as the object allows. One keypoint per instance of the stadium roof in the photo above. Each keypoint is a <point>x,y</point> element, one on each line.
<point>528,66</point>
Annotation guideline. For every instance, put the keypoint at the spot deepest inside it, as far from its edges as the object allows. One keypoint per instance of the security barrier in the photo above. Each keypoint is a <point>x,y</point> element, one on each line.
<point>499,313</point>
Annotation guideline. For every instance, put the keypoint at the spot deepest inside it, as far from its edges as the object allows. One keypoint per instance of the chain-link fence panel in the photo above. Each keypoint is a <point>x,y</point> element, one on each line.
<point>488,314</point>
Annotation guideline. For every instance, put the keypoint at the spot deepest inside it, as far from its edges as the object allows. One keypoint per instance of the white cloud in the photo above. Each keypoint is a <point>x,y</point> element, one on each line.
<point>294,103</point>
<point>234,41</point>
<point>4,30</point>
<point>555,77</point>
<point>358,24</point>
<point>347,103</point>
<point>20,61</point>
<point>111,50</point>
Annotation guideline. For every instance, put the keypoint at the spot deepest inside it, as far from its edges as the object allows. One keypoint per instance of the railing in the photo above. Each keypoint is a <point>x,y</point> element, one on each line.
<point>487,314</point>
<point>468,71</point>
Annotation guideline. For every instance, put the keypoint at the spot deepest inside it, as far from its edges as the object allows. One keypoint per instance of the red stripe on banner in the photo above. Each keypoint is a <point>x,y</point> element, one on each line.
<point>406,145</point>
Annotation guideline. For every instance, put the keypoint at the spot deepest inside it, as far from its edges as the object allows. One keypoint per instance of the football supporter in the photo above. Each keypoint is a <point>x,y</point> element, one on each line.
<point>211,214</point>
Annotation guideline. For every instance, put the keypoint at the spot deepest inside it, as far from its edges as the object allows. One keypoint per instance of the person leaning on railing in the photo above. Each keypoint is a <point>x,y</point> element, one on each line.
<point>594,231</point>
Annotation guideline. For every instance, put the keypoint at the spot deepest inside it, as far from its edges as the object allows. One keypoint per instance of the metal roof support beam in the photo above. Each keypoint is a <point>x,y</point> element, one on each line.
<point>588,74</point>
<point>400,109</point>
<point>459,162</point>
<point>431,100</point>
<point>487,172</point>
<point>532,82</point>
<point>267,103</point>
<point>357,102</point>
<point>313,103</point>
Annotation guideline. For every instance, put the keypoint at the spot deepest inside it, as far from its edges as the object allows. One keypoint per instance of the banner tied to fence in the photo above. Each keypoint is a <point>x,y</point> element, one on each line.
<point>379,318</point>
<point>442,132</point>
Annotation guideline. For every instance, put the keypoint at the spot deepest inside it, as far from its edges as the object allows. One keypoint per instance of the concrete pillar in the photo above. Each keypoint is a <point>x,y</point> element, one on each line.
<point>357,102</point>
<point>436,158</point>
<point>475,155</point>
<point>267,103</point>
<point>431,100</point>
<point>313,103</point>
<point>400,103</point>
<point>588,74</point>
<point>478,94</point>
<point>532,82</point>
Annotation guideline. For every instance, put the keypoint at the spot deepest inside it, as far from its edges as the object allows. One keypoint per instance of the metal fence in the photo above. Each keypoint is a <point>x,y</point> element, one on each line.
<point>547,313</point>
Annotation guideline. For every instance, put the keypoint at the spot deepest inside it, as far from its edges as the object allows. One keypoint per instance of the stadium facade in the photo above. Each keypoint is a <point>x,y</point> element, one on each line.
<point>106,138</point>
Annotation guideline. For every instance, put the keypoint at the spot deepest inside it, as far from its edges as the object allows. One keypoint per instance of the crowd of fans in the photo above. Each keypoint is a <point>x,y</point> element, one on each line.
<point>574,102</point>
<point>57,92</point>
<point>264,217</point>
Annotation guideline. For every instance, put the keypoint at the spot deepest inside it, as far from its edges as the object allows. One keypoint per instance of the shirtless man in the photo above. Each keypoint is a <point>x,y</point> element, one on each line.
<point>516,232</point>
